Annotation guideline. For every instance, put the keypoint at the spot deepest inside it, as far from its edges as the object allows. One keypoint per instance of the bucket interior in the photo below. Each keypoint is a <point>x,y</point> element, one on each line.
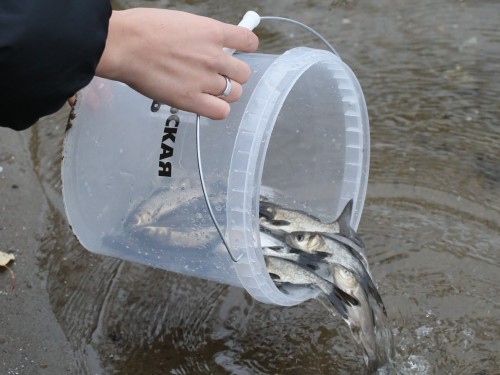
<point>312,156</point>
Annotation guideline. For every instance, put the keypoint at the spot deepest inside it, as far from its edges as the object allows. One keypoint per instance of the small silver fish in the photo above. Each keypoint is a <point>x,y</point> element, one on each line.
<point>314,242</point>
<point>368,322</point>
<point>313,262</point>
<point>280,221</point>
<point>160,219</point>
<point>335,252</point>
<point>159,236</point>
<point>161,202</point>
<point>286,271</point>
<point>368,319</point>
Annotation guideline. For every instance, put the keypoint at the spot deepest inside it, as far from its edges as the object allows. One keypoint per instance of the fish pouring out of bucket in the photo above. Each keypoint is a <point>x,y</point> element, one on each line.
<point>302,251</point>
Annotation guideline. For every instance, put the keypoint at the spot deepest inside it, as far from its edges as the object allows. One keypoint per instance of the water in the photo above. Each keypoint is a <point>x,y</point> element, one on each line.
<point>431,221</point>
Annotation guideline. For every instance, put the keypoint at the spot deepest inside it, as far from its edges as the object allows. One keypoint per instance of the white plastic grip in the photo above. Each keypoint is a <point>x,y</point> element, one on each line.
<point>249,21</point>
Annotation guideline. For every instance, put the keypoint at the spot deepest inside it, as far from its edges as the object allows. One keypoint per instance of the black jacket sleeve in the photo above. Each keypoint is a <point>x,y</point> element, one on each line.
<point>49,49</point>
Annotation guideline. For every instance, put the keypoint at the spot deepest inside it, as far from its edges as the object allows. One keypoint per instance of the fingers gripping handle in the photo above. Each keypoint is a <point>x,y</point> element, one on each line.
<point>249,21</point>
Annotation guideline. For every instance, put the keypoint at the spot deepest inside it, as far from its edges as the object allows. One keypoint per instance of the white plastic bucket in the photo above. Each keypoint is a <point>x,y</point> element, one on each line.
<point>299,135</point>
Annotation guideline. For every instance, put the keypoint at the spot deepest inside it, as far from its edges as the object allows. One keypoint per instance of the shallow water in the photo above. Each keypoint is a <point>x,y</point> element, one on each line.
<point>431,221</point>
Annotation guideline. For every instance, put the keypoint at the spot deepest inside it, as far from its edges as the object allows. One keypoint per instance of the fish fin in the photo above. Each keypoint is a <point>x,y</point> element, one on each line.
<point>275,248</point>
<point>347,298</point>
<point>345,228</point>
<point>306,258</point>
<point>266,209</point>
<point>344,220</point>
<point>288,288</point>
<point>339,299</point>
<point>321,254</point>
<point>279,223</point>
<point>274,277</point>
<point>337,303</point>
<point>312,266</point>
<point>282,286</point>
<point>370,287</point>
<point>374,292</point>
<point>317,255</point>
<point>276,233</point>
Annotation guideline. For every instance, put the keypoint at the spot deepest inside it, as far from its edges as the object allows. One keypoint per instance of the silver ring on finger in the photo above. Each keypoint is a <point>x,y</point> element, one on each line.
<point>228,88</point>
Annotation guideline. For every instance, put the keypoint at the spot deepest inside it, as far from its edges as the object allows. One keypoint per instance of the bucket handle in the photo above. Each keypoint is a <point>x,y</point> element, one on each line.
<point>304,26</point>
<point>250,20</point>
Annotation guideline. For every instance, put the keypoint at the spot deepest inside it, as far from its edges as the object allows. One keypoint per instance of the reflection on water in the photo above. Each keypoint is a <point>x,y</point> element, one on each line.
<point>431,220</point>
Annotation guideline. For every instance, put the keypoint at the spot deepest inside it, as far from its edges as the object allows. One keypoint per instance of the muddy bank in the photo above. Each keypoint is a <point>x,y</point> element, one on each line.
<point>31,339</point>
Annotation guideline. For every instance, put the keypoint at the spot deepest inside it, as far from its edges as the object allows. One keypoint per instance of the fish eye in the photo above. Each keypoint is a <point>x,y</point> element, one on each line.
<point>300,237</point>
<point>345,272</point>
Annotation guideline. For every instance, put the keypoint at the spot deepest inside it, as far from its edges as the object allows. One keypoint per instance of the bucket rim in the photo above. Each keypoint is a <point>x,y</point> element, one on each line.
<point>257,124</point>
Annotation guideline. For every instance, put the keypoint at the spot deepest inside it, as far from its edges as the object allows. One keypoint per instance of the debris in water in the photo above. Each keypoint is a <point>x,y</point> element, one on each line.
<point>6,258</point>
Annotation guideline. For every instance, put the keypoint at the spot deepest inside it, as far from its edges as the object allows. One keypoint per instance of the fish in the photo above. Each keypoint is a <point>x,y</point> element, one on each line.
<point>276,248</point>
<point>161,202</point>
<point>312,262</point>
<point>367,322</point>
<point>160,236</point>
<point>286,271</point>
<point>368,319</point>
<point>280,221</point>
<point>336,253</point>
<point>159,220</point>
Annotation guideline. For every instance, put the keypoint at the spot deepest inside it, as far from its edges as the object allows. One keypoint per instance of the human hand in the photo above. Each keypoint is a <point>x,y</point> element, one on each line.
<point>176,58</point>
<point>72,101</point>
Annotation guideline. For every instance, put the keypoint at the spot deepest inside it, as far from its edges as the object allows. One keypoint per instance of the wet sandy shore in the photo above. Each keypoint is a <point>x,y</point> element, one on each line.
<point>31,339</point>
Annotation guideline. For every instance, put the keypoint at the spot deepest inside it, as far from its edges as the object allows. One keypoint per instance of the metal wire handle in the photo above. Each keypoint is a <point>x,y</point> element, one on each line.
<point>304,26</point>
<point>198,154</point>
<point>202,181</point>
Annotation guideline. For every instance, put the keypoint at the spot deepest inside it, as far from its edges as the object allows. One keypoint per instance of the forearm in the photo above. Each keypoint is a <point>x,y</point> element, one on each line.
<point>50,49</point>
